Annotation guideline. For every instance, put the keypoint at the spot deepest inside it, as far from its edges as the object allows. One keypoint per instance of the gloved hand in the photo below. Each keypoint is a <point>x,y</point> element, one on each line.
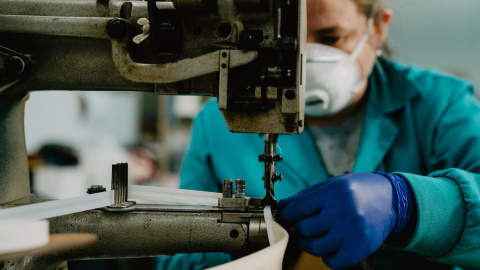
<point>346,218</point>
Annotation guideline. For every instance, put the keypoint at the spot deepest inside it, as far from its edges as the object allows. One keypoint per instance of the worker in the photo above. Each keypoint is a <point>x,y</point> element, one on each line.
<point>387,165</point>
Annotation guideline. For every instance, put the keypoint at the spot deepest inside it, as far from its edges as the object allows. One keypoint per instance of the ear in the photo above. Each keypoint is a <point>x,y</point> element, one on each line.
<point>381,26</point>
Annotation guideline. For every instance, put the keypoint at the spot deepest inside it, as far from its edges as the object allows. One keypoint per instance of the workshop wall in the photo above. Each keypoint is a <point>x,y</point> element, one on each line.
<point>442,34</point>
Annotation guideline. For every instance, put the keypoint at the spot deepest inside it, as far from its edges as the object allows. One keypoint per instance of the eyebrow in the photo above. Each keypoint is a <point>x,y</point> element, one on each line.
<point>329,30</point>
<point>334,30</point>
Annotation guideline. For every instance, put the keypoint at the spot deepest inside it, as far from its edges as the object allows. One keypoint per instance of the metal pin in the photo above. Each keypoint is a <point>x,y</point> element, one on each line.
<point>227,188</point>
<point>239,188</point>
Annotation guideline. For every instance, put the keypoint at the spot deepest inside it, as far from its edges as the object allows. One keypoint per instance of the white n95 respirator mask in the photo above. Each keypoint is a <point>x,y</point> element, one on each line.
<point>333,77</point>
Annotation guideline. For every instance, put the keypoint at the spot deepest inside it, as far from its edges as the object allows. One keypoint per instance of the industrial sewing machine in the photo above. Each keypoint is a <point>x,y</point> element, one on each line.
<point>246,53</point>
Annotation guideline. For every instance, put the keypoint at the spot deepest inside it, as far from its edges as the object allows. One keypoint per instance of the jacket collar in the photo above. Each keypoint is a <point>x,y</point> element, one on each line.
<point>389,92</point>
<point>390,88</point>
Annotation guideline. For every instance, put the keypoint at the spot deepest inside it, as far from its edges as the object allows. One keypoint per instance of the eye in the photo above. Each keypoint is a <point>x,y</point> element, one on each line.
<point>328,40</point>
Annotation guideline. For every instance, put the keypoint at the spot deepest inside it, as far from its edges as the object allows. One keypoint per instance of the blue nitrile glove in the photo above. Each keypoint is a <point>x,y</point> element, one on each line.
<point>346,218</point>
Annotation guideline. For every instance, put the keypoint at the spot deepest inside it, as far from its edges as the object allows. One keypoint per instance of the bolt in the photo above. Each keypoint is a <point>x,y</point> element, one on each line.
<point>116,28</point>
<point>234,234</point>
<point>289,124</point>
<point>15,65</point>
<point>290,94</point>
<point>224,30</point>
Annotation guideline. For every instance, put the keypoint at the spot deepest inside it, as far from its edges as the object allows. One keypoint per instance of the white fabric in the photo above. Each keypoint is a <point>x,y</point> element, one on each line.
<point>20,235</point>
<point>267,214</point>
<point>57,208</point>
<point>269,258</point>
<point>162,195</point>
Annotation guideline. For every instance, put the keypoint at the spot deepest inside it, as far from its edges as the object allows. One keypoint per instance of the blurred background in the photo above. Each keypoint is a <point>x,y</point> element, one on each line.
<point>439,34</point>
<point>73,138</point>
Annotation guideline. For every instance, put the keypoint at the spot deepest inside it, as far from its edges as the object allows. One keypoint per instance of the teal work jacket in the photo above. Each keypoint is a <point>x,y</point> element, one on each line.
<point>420,124</point>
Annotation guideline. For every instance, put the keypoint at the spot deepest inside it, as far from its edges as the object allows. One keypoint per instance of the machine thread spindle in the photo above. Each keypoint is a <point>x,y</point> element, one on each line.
<point>227,188</point>
<point>239,188</point>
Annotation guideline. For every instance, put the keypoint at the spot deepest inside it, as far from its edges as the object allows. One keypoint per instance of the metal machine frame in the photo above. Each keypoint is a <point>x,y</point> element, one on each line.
<point>247,53</point>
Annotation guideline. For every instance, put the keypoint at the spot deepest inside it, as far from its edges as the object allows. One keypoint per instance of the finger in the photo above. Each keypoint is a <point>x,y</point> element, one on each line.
<point>353,249</point>
<point>302,207</point>
<point>303,192</point>
<point>342,260</point>
<point>300,194</point>
<point>315,226</point>
<point>283,202</point>
<point>308,201</point>
<point>320,246</point>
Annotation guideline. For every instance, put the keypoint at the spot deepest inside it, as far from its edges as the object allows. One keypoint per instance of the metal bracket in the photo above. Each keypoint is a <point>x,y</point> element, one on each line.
<point>175,71</point>
<point>234,203</point>
<point>224,64</point>
<point>239,217</point>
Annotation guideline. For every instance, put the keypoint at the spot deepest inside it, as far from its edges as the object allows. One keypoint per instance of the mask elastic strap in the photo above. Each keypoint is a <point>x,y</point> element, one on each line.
<point>363,40</point>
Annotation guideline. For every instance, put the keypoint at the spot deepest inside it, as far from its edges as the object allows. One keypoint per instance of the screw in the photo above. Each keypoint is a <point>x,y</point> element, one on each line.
<point>95,189</point>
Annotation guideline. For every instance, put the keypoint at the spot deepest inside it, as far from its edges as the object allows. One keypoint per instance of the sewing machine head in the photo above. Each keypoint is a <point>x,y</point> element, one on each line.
<point>246,53</point>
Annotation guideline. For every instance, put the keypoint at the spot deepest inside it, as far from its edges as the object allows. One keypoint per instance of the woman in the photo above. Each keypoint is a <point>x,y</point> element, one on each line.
<point>419,130</point>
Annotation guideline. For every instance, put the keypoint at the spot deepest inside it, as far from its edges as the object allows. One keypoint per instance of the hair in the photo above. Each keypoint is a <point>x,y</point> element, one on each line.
<point>370,7</point>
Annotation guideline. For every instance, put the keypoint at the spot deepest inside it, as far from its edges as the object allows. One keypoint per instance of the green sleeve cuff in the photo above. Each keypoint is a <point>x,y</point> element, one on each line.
<point>440,214</point>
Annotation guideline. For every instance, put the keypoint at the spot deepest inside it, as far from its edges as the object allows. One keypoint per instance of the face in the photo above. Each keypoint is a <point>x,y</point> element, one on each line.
<point>340,24</point>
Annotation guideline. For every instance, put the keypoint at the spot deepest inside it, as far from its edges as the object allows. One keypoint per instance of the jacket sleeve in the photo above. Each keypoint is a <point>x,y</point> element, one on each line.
<point>448,199</point>
<point>191,261</point>
<point>197,171</point>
